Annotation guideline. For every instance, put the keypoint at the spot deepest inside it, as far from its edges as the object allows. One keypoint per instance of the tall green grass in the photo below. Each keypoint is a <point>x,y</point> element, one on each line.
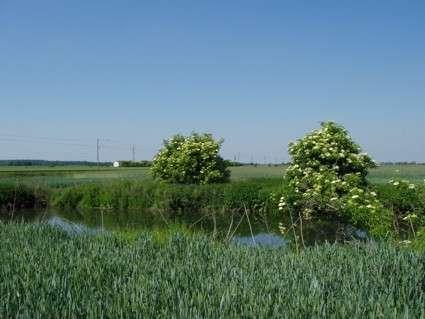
<point>45,273</point>
<point>171,198</point>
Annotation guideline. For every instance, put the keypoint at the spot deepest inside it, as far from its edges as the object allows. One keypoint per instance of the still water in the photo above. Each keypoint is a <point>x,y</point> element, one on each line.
<point>238,229</point>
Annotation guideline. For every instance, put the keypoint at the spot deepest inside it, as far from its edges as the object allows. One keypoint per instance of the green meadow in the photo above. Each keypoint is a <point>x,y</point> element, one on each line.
<point>63,176</point>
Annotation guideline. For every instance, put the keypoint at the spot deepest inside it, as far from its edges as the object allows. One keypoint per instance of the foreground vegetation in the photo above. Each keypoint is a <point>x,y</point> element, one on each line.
<point>46,273</point>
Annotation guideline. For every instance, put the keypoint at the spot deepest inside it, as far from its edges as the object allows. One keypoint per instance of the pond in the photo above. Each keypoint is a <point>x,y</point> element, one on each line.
<point>245,230</point>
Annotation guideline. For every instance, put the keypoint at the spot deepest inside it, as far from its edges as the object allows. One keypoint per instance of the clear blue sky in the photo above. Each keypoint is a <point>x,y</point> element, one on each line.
<point>257,73</point>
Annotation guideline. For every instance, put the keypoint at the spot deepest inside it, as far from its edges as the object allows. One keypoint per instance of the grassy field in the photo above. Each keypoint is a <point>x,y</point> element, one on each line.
<point>63,176</point>
<point>412,173</point>
<point>46,273</point>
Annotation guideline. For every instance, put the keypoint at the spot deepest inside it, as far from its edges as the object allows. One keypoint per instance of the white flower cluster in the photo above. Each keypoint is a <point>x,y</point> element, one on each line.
<point>328,175</point>
<point>402,184</point>
<point>329,146</point>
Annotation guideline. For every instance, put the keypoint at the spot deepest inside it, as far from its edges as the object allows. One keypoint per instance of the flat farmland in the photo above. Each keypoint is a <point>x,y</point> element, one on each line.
<point>69,175</point>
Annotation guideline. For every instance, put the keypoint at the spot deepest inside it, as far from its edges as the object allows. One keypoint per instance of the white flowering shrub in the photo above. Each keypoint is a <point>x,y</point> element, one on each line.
<point>191,159</point>
<point>327,178</point>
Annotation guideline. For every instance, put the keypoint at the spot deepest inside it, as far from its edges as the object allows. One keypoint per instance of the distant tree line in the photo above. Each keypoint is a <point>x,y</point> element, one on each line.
<point>234,164</point>
<point>135,163</point>
<point>50,163</point>
<point>143,163</point>
<point>402,163</point>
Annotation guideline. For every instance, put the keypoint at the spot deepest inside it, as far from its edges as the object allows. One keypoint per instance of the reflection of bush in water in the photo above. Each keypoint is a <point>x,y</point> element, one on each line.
<point>15,196</point>
<point>111,219</point>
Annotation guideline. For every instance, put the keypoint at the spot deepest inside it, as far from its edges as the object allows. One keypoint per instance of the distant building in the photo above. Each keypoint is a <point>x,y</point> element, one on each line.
<point>116,164</point>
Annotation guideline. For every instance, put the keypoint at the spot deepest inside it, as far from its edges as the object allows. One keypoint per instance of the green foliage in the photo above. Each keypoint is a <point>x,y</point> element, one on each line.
<point>419,240</point>
<point>407,203</point>
<point>191,159</point>
<point>171,198</point>
<point>327,178</point>
<point>45,273</point>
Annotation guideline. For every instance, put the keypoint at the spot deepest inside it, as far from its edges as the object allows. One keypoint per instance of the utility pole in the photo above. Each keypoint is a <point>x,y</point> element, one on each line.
<point>133,151</point>
<point>98,151</point>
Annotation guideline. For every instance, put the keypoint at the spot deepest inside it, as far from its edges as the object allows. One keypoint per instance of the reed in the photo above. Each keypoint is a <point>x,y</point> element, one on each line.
<point>171,198</point>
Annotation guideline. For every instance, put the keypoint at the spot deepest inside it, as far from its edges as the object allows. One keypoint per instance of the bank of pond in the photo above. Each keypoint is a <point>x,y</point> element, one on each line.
<point>244,208</point>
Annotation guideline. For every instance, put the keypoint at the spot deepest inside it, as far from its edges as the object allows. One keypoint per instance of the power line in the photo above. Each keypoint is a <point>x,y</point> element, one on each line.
<point>54,139</point>
<point>28,140</point>
<point>41,138</point>
<point>74,144</point>
<point>42,142</point>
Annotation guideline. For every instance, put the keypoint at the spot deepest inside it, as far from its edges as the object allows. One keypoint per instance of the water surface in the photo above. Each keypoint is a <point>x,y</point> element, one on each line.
<point>251,230</point>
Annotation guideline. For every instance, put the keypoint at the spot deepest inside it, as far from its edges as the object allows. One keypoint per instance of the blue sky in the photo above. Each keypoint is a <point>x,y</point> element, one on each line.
<point>257,73</point>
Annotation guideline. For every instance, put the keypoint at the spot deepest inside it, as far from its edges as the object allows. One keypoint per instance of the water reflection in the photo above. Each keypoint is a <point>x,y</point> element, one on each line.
<point>137,220</point>
<point>72,228</point>
<point>263,239</point>
<point>240,230</point>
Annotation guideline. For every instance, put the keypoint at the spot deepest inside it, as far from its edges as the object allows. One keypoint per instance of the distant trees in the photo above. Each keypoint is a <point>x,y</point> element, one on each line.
<point>31,162</point>
<point>135,163</point>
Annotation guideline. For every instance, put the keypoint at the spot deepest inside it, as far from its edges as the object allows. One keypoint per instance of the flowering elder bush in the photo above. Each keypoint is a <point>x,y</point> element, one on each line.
<point>327,177</point>
<point>191,159</point>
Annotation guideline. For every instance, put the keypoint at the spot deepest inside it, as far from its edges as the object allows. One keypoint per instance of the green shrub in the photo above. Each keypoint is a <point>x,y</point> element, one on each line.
<point>327,178</point>
<point>191,159</point>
